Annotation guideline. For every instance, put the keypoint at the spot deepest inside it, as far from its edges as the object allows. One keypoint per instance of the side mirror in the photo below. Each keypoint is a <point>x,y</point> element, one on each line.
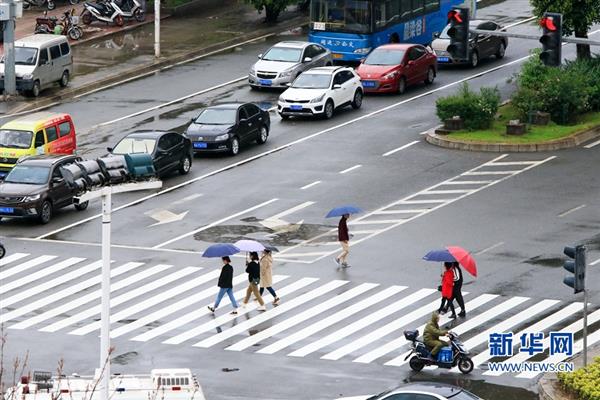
<point>337,86</point>
<point>192,120</point>
<point>410,63</point>
<point>307,59</point>
<point>260,56</point>
<point>109,149</point>
<point>436,35</point>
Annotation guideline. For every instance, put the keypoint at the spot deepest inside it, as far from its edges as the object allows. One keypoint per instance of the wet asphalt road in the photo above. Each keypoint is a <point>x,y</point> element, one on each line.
<point>517,242</point>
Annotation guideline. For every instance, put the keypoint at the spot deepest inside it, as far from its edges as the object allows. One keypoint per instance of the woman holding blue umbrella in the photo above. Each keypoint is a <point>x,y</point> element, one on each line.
<point>225,284</point>
<point>343,234</point>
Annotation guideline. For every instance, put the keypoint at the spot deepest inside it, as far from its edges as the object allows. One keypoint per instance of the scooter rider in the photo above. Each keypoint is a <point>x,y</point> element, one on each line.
<point>432,334</point>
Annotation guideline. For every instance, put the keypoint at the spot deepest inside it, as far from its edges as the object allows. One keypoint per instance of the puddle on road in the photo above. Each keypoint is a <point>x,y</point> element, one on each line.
<point>125,358</point>
<point>544,261</point>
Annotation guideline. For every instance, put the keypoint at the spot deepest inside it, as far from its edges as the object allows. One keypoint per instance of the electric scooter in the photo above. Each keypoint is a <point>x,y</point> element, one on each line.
<point>451,356</point>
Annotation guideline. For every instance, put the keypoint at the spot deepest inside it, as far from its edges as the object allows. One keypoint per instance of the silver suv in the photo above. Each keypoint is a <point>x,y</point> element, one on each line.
<point>282,63</point>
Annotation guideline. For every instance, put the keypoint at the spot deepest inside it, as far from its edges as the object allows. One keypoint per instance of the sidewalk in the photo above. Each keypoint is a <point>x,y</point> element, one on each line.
<point>549,387</point>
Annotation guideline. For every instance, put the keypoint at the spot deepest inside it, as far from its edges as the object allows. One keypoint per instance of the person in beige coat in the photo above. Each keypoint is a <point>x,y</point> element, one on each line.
<point>266,275</point>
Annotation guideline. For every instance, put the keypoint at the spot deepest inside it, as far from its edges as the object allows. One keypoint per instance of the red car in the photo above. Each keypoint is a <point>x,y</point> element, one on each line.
<point>392,67</point>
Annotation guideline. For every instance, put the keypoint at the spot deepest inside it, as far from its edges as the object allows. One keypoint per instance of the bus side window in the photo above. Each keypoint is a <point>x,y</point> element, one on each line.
<point>405,9</point>
<point>64,128</point>
<point>51,133</point>
<point>432,5</point>
<point>39,139</point>
<point>418,7</point>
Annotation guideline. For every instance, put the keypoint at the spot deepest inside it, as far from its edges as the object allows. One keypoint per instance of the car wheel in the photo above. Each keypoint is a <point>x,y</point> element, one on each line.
<point>263,135</point>
<point>35,91</point>
<point>64,80</point>
<point>234,146</point>
<point>357,100</point>
<point>284,117</point>
<point>82,206</point>
<point>501,51</point>
<point>329,109</point>
<point>139,15</point>
<point>51,5</point>
<point>45,212</point>
<point>402,85</point>
<point>75,33</point>
<point>185,165</point>
<point>430,76</point>
<point>474,59</point>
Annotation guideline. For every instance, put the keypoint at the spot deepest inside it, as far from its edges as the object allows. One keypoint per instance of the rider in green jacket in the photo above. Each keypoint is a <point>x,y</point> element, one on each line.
<point>432,333</point>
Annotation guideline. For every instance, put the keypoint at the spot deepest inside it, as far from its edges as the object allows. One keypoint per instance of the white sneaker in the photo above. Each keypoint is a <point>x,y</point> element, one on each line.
<point>243,305</point>
<point>261,308</point>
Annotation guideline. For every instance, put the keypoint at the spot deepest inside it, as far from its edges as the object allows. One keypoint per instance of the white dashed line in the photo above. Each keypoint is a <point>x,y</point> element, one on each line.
<point>593,144</point>
<point>315,183</point>
<point>400,148</point>
<point>571,210</point>
<point>351,169</point>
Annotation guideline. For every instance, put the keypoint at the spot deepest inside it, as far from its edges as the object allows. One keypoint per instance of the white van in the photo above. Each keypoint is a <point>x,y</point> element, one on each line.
<point>40,61</point>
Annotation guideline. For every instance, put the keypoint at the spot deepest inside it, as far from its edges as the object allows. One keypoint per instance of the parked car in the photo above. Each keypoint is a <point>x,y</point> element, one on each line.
<point>35,188</point>
<point>320,91</point>
<point>421,391</point>
<point>282,63</point>
<point>170,151</point>
<point>225,127</point>
<point>393,67</point>
<point>480,46</point>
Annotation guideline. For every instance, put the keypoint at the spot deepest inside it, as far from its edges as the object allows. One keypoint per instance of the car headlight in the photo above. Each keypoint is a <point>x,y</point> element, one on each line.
<point>391,75</point>
<point>27,76</point>
<point>318,99</point>
<point>222,137</point>
<point>364,50</point>
<point>286,74</point>
<point>33,197</point>
<point>281,99</point>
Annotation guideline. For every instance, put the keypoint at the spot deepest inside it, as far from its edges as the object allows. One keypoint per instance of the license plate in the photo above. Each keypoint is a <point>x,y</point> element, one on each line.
<point>368,84</point>
<point>199,145</point>
<point>7,210</point>
<point>443,59</point>
<point>265,82</point>
<point>336,55</point>
<point>296,108</point>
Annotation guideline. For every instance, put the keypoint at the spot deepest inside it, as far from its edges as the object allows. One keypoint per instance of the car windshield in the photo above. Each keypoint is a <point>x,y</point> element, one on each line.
<point>24,56</point>
<point>341,15</point>
<point>312,81</point>
<point>217,116</point>
<point>379,396</point>
<point>28,174</point>
<point>285,54</point>
<point>385,57</point>
<point>13,139</point>
<point>135,145</point>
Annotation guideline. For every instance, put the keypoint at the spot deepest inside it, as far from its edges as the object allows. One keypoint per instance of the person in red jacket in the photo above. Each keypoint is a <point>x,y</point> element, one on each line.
<point>343,238</point>
<point>447,289</point>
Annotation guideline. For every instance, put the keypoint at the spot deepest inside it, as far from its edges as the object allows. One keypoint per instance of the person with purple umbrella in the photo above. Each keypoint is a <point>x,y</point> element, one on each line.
<point>344,239</point>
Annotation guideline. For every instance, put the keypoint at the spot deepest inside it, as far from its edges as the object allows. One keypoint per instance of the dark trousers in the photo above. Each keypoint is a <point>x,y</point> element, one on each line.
<point>447,303</point>
<point>457,295</point>
<point>270,289</point>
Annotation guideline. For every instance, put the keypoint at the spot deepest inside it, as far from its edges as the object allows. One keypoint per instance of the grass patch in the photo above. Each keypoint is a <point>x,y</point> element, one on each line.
<point>584,382</point>
<point>535,133</point>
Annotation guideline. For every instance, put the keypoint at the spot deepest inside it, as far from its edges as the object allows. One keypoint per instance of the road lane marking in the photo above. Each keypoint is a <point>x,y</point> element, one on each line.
<point>468,182</point>
<point>364,322</point>
<point>571,210</point>
<point>27,279</point>
<point>594,144</point>
<point>389,153</point>
<point>24,266</point>
<point>409,211</point>
<point>315,183</point>
<point>78,302</point>
<point>509,163</point>
<point>62,294</point>
<point>449,191</point>
<point>12,257</point>
<point>350,169</point>
<point>492,247</point>
<point>519,22</point>
<point>595,262</point>
<point>188,198</point>
<point>212,224</point>
<point>272,313</point>
<point>490,173</point>
<point>324,323</point>
<point>291,210</point>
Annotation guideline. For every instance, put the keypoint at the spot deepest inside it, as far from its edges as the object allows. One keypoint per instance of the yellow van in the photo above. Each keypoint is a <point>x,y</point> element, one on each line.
<point>38,133</point>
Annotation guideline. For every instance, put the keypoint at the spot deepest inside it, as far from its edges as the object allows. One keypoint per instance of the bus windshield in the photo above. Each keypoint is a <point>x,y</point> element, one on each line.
<point>352,16</point>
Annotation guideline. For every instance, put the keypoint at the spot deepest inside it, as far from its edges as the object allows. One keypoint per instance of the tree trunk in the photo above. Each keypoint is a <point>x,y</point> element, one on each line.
<point>583,50</point>
<point>271,13</point>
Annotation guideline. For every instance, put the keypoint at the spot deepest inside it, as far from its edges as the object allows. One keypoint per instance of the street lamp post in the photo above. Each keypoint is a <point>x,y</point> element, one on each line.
<point>8,14</point>
<point>157,28</point>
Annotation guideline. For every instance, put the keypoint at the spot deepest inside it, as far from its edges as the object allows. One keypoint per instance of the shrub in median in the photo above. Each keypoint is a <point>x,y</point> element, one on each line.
<point>476,109</point>
<point>584,382</point>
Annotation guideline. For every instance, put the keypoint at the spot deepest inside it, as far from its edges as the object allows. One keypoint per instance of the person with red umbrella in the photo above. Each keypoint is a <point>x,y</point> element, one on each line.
<point>447,290</point>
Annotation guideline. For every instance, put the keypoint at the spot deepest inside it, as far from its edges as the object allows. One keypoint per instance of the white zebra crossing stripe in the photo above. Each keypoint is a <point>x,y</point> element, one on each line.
<point>17,269</point>
<point>80,301</point>
<point>61,294</point>
<point>11,258</point>
<point>195,314</point>
<point>223,319</point>
<point>573,328</point>
<point>22,282</point>
<point>51,284</point>
<point>399,342</point>
<point>154,300</point>
<point>363,323</point>
<point>272,313</point>
<point>170,309</point>
<point>303,316</point>
<point>331,320</point>
<point>539,326</point>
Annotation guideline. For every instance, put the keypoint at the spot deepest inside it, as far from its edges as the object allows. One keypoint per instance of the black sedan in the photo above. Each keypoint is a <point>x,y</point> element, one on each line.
<point>170,151</point>
<point>224,128</point>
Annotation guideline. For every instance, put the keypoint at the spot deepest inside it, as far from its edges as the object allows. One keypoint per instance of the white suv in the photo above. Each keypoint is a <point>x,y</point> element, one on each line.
<point>320,91</point>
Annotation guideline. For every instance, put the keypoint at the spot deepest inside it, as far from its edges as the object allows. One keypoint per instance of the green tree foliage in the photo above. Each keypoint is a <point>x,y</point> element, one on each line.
<point>272,8</point>
<point>578,17</point>
<point>476,109</point>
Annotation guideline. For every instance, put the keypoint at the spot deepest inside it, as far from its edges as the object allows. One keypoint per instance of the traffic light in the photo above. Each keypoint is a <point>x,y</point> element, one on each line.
<point>575,266</point>
<point>551,39</point>
<point>458,18</point>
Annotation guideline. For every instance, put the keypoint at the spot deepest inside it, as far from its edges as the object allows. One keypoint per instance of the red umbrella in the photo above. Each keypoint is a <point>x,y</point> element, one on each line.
<point>464,258</point>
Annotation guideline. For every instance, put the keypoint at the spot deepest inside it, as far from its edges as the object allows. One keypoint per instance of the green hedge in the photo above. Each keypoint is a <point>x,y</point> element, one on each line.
<point>476,109</point>
<point>584,382</point>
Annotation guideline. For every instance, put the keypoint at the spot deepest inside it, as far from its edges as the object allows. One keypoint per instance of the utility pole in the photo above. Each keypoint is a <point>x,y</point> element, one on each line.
<point>8,14</point>
<point>157,28</point>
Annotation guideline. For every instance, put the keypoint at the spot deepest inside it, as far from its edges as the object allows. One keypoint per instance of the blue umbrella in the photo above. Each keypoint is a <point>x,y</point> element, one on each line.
<point>220,250</point>
<point>439,255</point>
<point>339,211</point>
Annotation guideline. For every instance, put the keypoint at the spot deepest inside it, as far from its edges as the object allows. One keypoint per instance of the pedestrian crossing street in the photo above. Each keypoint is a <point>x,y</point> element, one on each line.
<point>330,320</point>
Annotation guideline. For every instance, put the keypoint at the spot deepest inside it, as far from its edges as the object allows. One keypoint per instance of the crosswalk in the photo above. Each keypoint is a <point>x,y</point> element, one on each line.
<point>329,320</point>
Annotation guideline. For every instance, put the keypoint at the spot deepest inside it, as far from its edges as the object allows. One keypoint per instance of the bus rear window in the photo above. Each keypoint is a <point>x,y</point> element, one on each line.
<point>342,15</point>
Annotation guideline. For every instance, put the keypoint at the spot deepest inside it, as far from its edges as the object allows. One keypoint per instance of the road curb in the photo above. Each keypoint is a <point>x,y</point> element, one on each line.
<point>559,144</point>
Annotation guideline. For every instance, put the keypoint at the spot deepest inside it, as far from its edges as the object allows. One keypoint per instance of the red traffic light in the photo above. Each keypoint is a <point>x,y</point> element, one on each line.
<point>548,23</point>
<point>455,15</point>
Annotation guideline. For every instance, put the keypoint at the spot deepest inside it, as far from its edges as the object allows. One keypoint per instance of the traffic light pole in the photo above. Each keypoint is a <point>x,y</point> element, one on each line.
<point>585,326</point>
<point>533,37</point>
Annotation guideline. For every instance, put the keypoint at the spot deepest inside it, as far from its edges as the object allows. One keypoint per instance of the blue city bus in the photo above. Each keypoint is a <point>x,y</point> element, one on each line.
<point>352,28</point>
